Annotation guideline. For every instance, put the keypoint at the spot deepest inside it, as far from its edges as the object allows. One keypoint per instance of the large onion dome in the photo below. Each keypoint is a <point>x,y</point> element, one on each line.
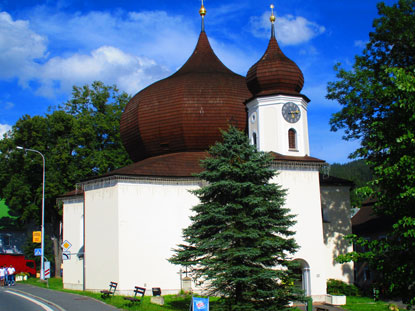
<point>185,111</point>
<point>274,73</point>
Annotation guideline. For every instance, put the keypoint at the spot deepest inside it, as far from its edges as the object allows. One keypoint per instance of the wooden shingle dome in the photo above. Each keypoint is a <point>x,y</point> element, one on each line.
<point>185,111</point>
<point>274,73</point>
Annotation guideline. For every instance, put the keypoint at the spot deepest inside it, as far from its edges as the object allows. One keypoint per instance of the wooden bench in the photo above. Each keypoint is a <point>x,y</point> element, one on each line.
<point>138,290</point>
<point>111,291</point>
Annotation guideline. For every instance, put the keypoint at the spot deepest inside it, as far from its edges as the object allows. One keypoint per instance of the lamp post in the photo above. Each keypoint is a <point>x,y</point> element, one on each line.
<point>42,244</point>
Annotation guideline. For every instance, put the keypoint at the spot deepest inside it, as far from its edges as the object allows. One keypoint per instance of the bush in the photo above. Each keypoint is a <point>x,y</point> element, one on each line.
<point>336,287</point>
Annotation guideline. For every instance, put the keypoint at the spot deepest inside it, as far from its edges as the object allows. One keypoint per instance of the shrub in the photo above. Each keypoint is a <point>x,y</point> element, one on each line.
<point>337,287</point>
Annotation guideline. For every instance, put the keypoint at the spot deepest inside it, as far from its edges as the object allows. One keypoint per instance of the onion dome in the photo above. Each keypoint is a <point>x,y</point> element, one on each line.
<point>185,111</point>
<point>274,73</point>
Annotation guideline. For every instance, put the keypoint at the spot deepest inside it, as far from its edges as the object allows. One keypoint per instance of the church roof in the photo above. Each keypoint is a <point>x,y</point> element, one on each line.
<point>274,73</point>
<point>180,164</point>
<point>185,111</point>
<point>285,158</point>
<point>184,164</point>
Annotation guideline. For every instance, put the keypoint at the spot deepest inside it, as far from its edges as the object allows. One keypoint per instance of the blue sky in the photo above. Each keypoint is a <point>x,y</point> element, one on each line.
<point>46,47</point>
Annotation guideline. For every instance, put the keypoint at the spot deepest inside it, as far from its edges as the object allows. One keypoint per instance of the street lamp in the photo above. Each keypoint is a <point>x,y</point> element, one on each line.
<point>42,244</point>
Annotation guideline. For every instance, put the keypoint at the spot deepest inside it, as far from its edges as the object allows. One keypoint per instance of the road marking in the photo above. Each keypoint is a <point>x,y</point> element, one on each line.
<point>45,307</point>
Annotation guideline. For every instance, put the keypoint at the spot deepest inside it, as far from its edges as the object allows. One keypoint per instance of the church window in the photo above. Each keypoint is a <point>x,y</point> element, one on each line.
<point>292,139</point>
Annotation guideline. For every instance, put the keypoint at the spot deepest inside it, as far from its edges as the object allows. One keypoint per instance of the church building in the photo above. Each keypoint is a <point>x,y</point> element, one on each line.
<point>123,225</point>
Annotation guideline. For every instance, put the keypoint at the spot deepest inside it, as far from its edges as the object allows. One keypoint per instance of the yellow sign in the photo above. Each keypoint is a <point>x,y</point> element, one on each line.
<point>37,237</point>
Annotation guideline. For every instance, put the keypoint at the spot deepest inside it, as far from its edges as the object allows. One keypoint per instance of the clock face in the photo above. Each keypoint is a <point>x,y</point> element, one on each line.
<point>291,112</point>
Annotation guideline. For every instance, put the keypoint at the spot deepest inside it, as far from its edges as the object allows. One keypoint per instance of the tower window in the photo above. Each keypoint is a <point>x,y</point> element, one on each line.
<point>292,139</point>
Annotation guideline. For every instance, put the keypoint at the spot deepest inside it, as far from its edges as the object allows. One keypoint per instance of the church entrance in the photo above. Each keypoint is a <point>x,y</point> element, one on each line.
<point>304,281</point>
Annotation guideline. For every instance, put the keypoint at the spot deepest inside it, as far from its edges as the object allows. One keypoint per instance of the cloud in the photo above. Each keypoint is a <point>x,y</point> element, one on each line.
<point>4,128</point>
<point>107,64</point>
<point>290,30</point>
<point>26,56</point>
<point>20,49</point>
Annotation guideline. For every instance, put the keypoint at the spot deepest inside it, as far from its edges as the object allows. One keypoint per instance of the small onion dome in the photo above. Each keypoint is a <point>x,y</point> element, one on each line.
<point>185,111</point>
<point>274,73</point>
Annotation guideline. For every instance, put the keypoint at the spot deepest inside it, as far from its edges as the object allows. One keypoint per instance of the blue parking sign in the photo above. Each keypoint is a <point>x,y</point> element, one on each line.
<point>200,304</point>
<point>38,252</point>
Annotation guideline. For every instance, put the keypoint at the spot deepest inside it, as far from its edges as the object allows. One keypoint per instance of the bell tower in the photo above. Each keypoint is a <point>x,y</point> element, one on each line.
<point>277,112</point>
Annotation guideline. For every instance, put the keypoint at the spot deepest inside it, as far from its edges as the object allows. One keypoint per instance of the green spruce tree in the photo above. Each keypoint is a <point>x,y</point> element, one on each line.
<point>240,243</point>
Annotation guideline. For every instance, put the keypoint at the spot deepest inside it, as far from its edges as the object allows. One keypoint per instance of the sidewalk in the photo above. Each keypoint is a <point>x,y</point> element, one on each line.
<point>66,301</point>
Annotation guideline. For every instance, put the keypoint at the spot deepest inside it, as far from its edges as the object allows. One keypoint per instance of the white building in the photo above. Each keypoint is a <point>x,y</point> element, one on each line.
<point>124,224</point>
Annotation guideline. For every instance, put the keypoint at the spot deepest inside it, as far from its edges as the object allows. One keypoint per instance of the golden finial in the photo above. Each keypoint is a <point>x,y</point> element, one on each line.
<point>272,17</point>
<point>202,13</point>
<point>202,10</point>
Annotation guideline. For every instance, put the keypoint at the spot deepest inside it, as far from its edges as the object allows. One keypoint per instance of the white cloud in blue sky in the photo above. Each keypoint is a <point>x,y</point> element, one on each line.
<point>290,30</point>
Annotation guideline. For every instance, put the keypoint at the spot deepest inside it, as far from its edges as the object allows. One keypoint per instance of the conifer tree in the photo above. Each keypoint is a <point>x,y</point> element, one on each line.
<point>239,242</point>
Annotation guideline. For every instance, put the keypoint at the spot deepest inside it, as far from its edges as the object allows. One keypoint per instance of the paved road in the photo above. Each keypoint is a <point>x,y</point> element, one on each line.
<point>55,300</point>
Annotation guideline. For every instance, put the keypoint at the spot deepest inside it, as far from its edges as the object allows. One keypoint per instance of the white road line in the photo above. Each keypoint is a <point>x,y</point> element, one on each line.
<point>41,304</point>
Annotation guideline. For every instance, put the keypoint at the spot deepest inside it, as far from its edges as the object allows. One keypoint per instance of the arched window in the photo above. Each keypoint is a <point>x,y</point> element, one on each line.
<point>292,139</point>
<point>254,139</point>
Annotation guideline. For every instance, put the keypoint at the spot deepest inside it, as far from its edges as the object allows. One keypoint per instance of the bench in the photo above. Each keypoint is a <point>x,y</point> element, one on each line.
<point>111,291</point>
<point>138,290</point>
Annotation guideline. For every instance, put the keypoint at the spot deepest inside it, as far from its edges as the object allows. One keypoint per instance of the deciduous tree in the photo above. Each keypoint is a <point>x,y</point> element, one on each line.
<point>378,102</point>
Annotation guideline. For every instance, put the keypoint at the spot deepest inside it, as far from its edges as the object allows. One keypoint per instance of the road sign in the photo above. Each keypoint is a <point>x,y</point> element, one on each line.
<point>37,236</point>
<point>38,252</point>
<point>47,269</point>
<point>66,245</point>
<point>66,255</point>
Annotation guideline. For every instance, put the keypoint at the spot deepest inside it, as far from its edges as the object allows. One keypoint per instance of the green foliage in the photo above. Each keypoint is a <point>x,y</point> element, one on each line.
<point>337,287</point>
<point>378,100</point>
<point>240,242</point>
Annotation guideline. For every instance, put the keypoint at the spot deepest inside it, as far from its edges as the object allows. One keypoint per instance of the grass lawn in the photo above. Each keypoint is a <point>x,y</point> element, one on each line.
<point>181,303</point>
<point>364,304</point>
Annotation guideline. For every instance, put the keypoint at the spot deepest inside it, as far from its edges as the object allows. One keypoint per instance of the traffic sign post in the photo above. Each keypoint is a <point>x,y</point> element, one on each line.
<point>38,252</point>
<point>47,269</point>
<point>37,236</point>
<point>66,245</point>
<point>66,255</point>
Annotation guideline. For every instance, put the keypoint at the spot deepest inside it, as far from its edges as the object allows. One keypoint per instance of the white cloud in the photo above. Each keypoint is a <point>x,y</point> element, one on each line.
<point>290,30</point>
<point>107,64</point>
<point>4,128</point>
<point>20,48</point>
<point>91,54</point>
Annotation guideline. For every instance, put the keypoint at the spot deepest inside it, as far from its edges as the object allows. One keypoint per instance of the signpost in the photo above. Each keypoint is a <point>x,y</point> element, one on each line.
<point>38,252</point>
<point>37,236</point>
<point>66,255</point>
<point>47,269</point>
<point>66,245</point>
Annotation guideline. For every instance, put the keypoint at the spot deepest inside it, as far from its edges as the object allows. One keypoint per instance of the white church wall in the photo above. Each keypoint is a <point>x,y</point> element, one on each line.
<point>337,212</point>
<point>303,199</point>
<point>73,210</point>
<point>101,235</point>
<point>151,219</point>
